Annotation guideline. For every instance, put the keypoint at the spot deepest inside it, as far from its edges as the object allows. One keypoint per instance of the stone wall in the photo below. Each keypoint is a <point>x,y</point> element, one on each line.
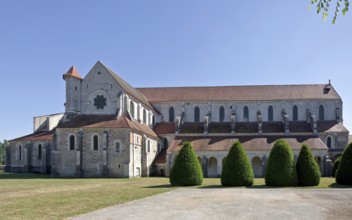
<point>23,156</point>
<point>88,162</point>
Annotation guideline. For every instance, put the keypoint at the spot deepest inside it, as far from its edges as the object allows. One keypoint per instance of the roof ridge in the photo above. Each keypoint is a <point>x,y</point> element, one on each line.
<point>264,85</point>
<point>126,86</point>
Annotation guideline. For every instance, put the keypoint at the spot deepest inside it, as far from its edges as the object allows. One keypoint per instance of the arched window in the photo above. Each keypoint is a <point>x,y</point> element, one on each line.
<point>166,144</point>
<point>144,116</point>
<point>270,113</point>
<point>72,142</point>
<point>329,142</point>
<point>95,142</point>
<point>20,152</point>
<point>221,114</point>
<point>321,113</point>
<point>39,152</point>
<point>196,114</point>
<point>117,145</point>
<point>132,109</point>
<point>171,114</point>
<point>295,113</point>
<point>148,146</point>
<point>246,114</point>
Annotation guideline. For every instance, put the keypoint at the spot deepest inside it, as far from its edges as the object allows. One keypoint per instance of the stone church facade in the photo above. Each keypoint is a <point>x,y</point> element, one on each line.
<point>111,129</point>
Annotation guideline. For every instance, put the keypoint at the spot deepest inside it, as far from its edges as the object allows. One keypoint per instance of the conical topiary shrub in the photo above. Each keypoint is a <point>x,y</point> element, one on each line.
<point>344,171</point>
<point>186,170</point>
<point>336,165</point>
<point>281,170</point>
<point>237,169</point>
<point>307,169</point>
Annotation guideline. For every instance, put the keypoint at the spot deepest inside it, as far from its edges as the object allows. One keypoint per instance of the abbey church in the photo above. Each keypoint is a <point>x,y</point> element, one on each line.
<point>111,129</point>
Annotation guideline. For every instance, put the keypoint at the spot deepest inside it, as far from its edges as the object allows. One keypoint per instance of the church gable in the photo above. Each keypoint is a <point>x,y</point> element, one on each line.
<point>100,92</point>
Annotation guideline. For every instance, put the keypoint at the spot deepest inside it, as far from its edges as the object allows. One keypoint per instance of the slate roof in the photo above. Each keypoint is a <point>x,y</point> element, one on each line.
<point>106,121</point>
<point>128,88</point>
<point>240,93</point>
<point>223,143</point>
<point>37,136</point>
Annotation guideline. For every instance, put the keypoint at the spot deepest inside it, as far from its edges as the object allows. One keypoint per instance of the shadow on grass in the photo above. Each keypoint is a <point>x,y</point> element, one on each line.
<point>226,187</point>
<point>163,186</point>
<point>23,176</point>
<point>336,185</point>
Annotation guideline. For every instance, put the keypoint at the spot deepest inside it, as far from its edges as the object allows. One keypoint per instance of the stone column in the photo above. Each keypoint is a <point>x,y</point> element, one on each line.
<point>43,161</point>
<point>219,161</point>
<point>79,171</point>
<point>27,157</point>
<point>105,154</point>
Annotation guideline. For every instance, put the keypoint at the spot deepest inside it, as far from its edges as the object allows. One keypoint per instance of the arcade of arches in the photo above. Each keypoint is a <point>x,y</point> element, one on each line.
<point>212,165</point>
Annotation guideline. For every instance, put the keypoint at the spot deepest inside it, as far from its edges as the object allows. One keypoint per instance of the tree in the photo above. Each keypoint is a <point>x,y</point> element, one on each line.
<point>324,5</point>
<point>344,171</point>
<point>3,147</point>
<point>237,169</point>
<point>336,165</point>
<point>307,169</point>
<point>281,170</point>
<point>186,170</point>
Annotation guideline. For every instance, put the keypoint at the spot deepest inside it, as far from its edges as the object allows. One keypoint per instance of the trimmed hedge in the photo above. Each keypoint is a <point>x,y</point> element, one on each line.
<point>336,165</point>
<point>186,170</point>
<point>307,169</point>
<point>281,170</point>
<point>237,169</point>
<point>344,171</point>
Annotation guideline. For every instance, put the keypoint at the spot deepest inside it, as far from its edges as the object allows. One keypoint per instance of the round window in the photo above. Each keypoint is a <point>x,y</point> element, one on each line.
<point>100,102</point>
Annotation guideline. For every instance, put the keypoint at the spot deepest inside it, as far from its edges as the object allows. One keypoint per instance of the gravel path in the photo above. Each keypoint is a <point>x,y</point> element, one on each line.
<point>234,203</point>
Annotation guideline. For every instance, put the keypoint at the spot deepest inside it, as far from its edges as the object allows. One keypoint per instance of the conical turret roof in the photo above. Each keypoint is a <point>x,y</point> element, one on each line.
<point>72,72</point>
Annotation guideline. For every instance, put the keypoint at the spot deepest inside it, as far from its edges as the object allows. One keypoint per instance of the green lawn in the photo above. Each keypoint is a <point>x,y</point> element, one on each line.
<point>31,196</point>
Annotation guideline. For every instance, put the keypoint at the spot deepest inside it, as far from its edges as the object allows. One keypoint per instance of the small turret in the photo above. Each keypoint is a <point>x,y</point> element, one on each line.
<point>73,91</point>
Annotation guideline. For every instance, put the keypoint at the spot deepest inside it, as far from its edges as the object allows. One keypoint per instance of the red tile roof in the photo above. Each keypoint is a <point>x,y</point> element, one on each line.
<point>161,158</point>
<point>38,136</point>
<point>72,72</point>
<point>165,128</point>
<point>331,126</point>
<point>106,121</point>
<point>249,127</point>
<point>239,93</point>
<point>224,143</point>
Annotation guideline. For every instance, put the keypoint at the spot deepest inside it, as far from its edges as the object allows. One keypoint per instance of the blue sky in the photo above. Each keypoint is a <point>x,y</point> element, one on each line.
<point>164,43</point>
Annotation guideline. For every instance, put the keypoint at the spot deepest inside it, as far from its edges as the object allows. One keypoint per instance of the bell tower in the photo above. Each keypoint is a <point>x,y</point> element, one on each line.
<point>73,91</point>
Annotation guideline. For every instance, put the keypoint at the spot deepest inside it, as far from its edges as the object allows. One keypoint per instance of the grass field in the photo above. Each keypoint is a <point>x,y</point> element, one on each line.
<point>31,196</point>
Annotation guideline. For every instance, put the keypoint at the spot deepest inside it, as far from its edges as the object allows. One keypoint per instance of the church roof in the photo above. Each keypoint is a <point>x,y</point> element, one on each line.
<point>240,93</point>
<point>107,121</point>
<point>165,128</point>
<point>128,88</point>
<point>223,143</point>
<point>72,72</point>
<point>37,136</point>
<point>331,126</point>
<point>161,157</point>
<point>249,127</point>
